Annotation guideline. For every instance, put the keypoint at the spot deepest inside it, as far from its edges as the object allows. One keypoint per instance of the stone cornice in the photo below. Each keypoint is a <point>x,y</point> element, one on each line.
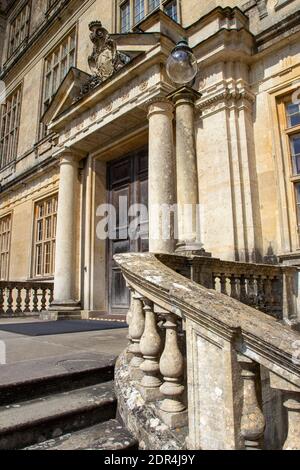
<point>225,95</point>
<point>280,30</point>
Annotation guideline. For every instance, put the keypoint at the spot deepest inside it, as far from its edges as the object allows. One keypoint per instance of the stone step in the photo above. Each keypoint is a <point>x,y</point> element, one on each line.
<point>41,419</point>
<point>38,378</point>
<point>110,435</point>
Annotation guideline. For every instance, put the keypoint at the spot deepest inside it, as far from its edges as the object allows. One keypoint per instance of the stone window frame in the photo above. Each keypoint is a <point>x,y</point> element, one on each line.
<point>17,37</point>
<point>5,244</point>
<point>56,65</point>
<point>293,177</point>
<point>44,241</point>
<point>10,116</point>
<point>147,11</point>
<point>51,4</point>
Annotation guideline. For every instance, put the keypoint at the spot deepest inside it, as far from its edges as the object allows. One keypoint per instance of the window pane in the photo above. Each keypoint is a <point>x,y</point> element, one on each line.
<point>57,65</point>
<point>45,232</point>
<point>139,11</point>
<point>293,115</point>
<point>295,149</point>
<point>125,17</point>
<point>19,29</point>
<point>153,4</point>
<point>9,125</point>
<point>297,190</point>
<point>4,246</point>
<point>171,10</point>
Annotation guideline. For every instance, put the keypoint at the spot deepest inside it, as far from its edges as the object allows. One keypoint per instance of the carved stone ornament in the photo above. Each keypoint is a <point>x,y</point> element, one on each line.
<point>105,60</point>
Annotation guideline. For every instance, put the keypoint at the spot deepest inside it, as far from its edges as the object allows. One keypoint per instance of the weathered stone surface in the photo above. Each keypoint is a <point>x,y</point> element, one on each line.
<point>110,435</point>
<point>25,423</point>
<point>141,418</point>
<point>40,377</point>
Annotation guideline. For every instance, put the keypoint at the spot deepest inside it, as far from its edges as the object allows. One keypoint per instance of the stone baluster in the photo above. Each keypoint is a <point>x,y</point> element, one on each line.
<point>292,404</point>
<point>253,421</point>
<point>289,301</point>
<point>277,297</point>
<point>19,300</point>
<point>268,294</point>
<point>10,300</point>
<point>215,278</point>
<point>43,299</point>
<point>233,287</point>
<point>136,329</point>
<point>35,300</point>
<point>51,293</point>
<point>260,293</point>
<point>243,293</point>
<point>27,300</point>
<point>251,294</point>
<point>223,282</point>
<point>1,301</point>
<point>171,367</point>
<point>150,346</point>
<point>129,318</point>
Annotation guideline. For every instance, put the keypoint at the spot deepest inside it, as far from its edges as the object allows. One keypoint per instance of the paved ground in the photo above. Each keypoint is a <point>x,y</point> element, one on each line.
<point>24,347</point>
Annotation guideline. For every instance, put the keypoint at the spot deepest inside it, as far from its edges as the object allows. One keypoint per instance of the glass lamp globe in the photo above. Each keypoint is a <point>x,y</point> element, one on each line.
<point>182,66</point>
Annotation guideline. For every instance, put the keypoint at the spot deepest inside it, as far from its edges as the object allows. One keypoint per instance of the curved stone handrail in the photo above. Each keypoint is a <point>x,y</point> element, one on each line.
<point>257,336</point>
<point>188,338</point>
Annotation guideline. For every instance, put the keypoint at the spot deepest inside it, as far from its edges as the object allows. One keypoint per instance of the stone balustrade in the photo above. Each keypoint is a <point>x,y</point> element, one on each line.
<point>24,298</point>
<point>271,289</point>
<point>192,374</point>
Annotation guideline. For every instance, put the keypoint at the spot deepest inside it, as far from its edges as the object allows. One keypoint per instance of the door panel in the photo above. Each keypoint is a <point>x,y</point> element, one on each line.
<point>127,185</point>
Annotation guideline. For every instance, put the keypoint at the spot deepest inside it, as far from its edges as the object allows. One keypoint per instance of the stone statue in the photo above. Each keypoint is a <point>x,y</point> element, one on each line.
<point>105,59</point>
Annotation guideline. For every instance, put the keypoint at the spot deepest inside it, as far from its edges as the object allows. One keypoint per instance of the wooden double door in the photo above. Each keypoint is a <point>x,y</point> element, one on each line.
<point>127,180</point>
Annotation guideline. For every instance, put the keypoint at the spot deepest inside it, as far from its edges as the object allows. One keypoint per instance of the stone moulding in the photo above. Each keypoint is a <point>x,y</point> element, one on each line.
<point>225,96</point>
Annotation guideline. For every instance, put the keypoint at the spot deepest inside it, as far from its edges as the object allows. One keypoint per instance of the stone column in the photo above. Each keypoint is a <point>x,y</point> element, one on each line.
<point>64,296</point>
<point>186,167</point>
<point>161,176</point>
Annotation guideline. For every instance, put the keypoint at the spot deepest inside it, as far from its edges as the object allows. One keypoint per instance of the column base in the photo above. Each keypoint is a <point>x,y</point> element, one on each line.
<point>66,310</point>
<point>192,248</point>
<point>174,420</point>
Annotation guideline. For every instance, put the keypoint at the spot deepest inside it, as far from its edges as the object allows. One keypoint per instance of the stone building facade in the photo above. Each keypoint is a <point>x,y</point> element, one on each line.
<point>69,144</point>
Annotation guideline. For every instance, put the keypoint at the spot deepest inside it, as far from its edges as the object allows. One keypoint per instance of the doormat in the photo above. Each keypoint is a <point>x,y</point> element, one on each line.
<point>60,327</point>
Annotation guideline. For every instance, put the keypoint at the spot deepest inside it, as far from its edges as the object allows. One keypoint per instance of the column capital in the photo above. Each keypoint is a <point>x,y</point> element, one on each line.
<point>160,105</point>
<point>66,154</point>
<point>184,94</point>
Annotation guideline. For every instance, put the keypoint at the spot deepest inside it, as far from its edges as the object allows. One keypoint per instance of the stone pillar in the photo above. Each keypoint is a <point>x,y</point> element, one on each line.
<point>64,296</point>
<point>161,176</point>
<point>253,422</point>
<point>186,167</point>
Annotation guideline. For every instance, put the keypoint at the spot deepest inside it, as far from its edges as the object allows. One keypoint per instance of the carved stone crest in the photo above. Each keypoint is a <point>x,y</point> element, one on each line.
<point>105,59</point>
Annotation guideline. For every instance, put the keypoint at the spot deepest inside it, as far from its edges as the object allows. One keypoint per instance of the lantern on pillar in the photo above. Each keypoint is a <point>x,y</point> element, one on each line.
<point>182,66</point>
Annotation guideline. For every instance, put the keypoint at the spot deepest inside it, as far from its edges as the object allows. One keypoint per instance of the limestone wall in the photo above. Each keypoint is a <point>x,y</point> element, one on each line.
<point>20,204</point>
